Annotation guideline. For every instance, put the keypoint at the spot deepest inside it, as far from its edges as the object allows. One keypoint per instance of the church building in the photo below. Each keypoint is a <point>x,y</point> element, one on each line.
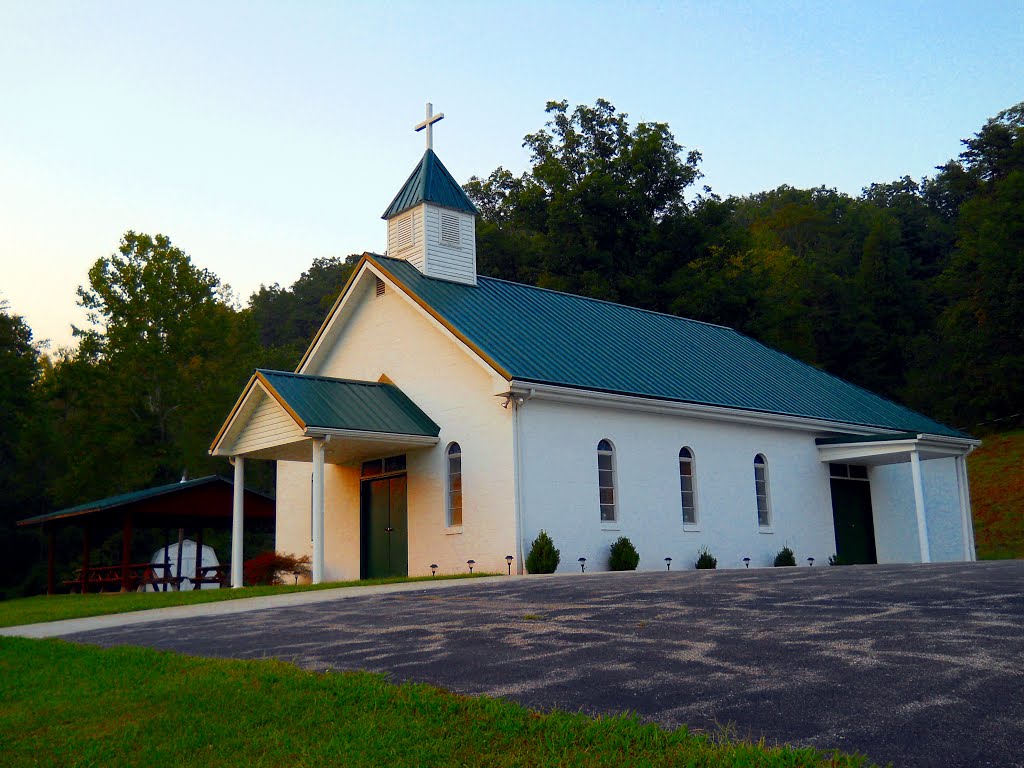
<point>441,418</point>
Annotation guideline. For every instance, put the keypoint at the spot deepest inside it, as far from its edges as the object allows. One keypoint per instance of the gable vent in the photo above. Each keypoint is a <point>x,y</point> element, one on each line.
<point>450,230</point>
<point>379,288</point>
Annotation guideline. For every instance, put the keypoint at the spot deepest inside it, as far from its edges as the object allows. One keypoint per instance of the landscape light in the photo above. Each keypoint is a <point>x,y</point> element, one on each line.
<point>746,562</point>
<point>668,563</point>
<point>471,563</point>
<point>509,559</point>
<point>810,561</point>
<point>433,569</point>
<point>583,564</point>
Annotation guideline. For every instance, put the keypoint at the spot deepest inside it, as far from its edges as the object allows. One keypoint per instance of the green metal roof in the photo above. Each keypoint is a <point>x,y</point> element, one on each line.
<point>124,499</point>
<point>543,336</point>
<point>366,406</point>
<point>430,182</point>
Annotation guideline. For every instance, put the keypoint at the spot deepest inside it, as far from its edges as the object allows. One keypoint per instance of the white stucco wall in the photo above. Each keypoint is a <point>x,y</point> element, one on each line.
<point>561,495</point>
<point>892,502</point>
<point>390,335</point>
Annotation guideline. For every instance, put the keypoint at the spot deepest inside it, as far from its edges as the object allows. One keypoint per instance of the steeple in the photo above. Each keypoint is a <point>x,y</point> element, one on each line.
<point>431,221</point>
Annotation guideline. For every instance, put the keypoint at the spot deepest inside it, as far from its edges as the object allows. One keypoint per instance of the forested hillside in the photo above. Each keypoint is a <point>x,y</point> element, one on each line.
<point>914,289</point>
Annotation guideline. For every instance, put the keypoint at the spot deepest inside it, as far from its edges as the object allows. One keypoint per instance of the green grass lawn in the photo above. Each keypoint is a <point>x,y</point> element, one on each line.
<point>996,473</point>
<point>32,610</point>
<point>68,705</point>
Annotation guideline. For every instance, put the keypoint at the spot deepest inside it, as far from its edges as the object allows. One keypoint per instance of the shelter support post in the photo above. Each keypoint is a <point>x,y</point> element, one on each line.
<point>318,511</point>
<point>196,583</point>
<point>51,546</point>
<point>126,550</point>
<point>922,520</point>
<point>85,557</point>
<point>965,508</point>
<point>237,522</point>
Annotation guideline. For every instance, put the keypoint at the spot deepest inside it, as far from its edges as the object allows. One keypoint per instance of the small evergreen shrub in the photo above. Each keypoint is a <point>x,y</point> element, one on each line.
<point>785,557</point>
<point>836,560</point>
<point>624,556</point>
<point>705,560</point>
<point>543,557</point>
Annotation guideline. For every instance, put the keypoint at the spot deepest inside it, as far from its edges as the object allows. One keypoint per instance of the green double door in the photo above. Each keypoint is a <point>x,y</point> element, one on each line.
<point>384,529</point>
<point>854,525</point>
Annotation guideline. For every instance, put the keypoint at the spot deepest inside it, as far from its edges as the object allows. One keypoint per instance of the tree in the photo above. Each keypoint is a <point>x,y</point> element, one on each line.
<point>154,375</point>
<point>585,218</point>
<point>20,468</point>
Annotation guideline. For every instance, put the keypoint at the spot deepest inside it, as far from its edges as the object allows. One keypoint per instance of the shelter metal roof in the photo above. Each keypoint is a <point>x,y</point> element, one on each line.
<point>154,499</point>
<point>430,182</point>
<point>329,403</point>
<point>537,335</point>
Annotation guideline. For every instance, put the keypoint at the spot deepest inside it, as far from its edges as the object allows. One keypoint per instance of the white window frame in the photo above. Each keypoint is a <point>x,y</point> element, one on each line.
<point>453,451</point>
<point>691,460</point>
<point>761,467</point>
<point>610,453</point>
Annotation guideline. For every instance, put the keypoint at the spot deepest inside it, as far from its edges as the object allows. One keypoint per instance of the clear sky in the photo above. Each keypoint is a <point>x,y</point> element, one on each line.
<point>260,136</point>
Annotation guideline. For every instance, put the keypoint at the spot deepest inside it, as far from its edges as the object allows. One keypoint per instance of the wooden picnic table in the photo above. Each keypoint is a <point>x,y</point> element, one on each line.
<point>126,578</point>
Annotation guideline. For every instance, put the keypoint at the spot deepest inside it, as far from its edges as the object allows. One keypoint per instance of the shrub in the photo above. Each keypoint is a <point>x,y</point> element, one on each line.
<point>836,560</point>
<point>785,557</point>
<point>705,560</point>
<point>624,556</point>
<point>543,557</point>
<point>268,567</point>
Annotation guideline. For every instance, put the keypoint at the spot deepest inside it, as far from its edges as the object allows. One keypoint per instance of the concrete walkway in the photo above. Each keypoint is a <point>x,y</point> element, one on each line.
<point>227,607</point>
<point>919,665</point>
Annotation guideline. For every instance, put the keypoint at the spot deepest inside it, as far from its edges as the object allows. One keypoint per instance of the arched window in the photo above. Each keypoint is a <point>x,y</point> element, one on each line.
<point>454,455</point>
<point>606,480</point>
<point>686,486</point>
<point>764,511</point>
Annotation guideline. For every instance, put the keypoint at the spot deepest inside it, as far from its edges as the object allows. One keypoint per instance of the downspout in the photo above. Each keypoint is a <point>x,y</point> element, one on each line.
<point>517,475</point>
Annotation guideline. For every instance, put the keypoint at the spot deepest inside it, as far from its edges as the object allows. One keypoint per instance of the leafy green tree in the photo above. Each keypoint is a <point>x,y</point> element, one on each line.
<point>153,376</point>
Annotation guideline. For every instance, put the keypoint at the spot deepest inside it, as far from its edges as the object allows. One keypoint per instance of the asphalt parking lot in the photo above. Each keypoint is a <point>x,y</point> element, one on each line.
<point>918,665</point>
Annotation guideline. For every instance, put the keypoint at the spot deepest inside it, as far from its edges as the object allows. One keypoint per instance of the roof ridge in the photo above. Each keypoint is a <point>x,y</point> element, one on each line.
<point>319,377</point>
<point>570,295</point>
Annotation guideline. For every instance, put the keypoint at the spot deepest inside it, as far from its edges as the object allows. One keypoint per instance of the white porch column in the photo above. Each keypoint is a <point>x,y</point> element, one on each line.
<point>237,522</point>
<point>965,508</point>
<point>922,522</point>
<point>318,511</point>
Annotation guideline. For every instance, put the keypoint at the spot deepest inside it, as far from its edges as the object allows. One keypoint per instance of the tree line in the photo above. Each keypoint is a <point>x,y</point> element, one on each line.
<point>913,289</point>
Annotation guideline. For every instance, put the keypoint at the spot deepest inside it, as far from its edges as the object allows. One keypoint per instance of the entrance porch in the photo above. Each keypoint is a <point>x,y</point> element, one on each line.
<point>328,422</point>
<point>881,487</point>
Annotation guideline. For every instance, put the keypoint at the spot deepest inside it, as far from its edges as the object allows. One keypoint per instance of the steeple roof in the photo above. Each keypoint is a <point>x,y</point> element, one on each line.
<point>430,182</point>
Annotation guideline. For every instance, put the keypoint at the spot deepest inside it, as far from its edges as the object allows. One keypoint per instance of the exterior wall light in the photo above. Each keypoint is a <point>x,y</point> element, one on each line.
<point>668,563</point>
<point>509,559</point>
<point>746,562</point>
<point>433,569</point>
<point>471,563</point>
<point>583,564</point>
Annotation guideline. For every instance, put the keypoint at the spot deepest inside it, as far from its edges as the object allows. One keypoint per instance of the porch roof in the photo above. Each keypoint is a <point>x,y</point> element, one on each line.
<point>365,406</point>
<point>890,448</point>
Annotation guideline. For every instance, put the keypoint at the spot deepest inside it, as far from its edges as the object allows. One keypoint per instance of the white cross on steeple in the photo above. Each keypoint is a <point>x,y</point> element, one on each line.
<point>429,124</point>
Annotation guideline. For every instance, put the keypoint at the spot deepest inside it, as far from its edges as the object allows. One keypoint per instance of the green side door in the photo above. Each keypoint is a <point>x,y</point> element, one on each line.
<point>854,524</point>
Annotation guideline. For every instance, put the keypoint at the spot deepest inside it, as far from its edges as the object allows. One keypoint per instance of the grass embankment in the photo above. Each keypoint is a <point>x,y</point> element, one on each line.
<point>996,473</point>
<point>33,610</point>
<point>67,705</point>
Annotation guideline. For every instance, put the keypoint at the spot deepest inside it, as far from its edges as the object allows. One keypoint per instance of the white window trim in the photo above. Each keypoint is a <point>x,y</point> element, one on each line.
<point>449,526</point>
<point>695,525</point>
<point>613,524</point>
<point>770,526</point>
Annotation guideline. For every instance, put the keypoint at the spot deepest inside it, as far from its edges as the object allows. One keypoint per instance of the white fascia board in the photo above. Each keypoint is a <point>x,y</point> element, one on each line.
<point>593,398</point>
<point>357,434</point>
<point>933,447</point>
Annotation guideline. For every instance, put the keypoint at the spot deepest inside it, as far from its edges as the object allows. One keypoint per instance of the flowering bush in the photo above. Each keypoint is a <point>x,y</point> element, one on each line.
<point>268,568</point>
